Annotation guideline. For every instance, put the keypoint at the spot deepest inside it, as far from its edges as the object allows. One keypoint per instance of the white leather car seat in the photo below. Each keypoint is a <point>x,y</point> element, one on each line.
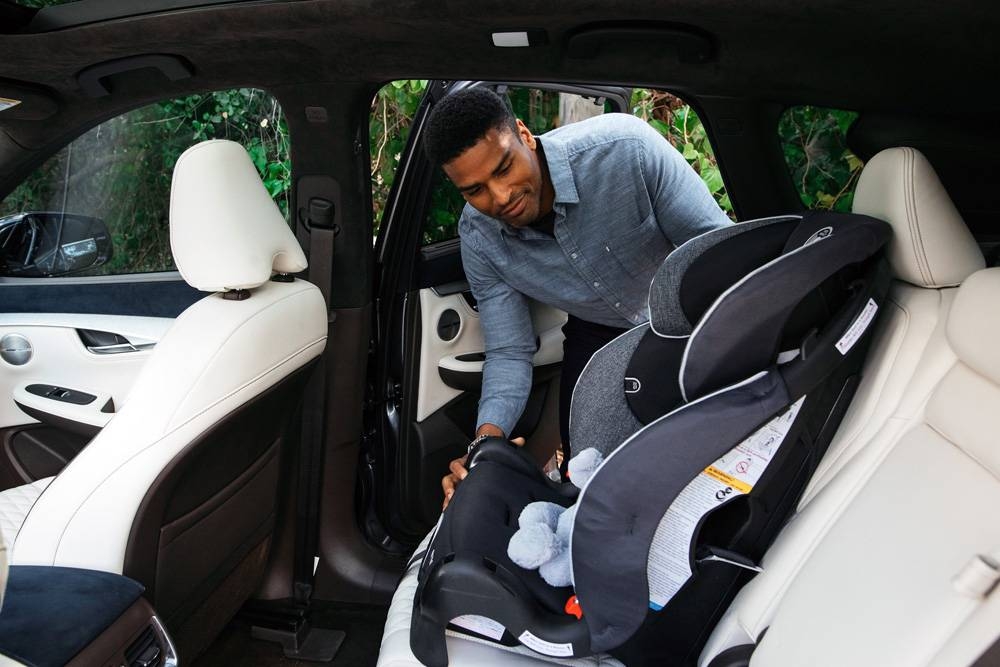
<point>179,490</point>
<point>931,253</point>
<point>905,574</point>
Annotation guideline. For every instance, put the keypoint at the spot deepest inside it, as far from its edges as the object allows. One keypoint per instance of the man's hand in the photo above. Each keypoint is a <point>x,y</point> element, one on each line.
<point>457,473</point>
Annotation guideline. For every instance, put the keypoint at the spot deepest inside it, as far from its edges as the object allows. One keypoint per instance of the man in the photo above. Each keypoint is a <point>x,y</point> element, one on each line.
<point>579,218</point>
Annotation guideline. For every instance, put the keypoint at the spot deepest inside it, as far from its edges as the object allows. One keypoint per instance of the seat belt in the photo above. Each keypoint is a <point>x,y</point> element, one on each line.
<point>318,218</point>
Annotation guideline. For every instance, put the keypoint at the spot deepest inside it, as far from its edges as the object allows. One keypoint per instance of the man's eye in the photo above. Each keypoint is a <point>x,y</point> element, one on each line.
<point>504,169</point>
<point>471,193</point>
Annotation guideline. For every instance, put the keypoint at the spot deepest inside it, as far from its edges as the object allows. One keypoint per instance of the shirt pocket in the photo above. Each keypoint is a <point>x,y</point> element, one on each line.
<point>639,251</point>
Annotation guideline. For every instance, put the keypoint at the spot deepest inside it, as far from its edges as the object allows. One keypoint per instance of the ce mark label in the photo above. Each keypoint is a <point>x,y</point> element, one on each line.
<point>722,494</point>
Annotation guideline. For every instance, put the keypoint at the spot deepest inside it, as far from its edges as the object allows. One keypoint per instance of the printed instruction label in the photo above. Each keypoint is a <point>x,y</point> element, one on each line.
<point>6,103</point>
<point>544,647</point>
<point>733,474</point>
<point>855,331</point>
<point>481,625</point>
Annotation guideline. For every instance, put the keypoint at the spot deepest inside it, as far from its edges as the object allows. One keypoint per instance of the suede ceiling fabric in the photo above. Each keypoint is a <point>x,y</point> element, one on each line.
<point>832,45</point>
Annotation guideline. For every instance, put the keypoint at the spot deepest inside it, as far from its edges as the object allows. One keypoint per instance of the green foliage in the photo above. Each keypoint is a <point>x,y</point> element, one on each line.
<point>388,129</point>
<point>120,171</point>
<point>680,125</point>
<point>539,110</point>
<point>814,141</point>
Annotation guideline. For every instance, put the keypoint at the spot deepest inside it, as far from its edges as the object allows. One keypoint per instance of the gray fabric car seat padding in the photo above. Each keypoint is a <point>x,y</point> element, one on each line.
<point>666,312</point>
<point>614,529</point>
<point>599,413</point>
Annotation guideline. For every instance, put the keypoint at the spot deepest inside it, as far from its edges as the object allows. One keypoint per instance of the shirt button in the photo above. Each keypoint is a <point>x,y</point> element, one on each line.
<point>617,304</point>
<point>573,255</point>
<point>597,284</point>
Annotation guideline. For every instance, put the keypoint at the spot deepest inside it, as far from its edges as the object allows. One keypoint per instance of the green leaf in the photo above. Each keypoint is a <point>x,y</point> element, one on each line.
<point>713,179</point>
<point>689,152</point>
<point>659,126</point>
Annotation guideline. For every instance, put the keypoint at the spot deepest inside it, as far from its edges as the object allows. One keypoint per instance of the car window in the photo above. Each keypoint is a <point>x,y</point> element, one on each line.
<point>541,110</point>
<point>115,179</point>
<point>823,168</point>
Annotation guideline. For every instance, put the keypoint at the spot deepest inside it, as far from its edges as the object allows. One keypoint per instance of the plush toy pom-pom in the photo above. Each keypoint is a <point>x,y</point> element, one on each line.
<point>557,571</point>
<point>533,546</point>
<point>540,512</point>
<point>565,525</point>
<point>583,465</point>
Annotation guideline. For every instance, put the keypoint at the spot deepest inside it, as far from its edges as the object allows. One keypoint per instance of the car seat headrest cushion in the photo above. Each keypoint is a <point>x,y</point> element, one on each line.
<point>973,327</point>
<point>696,272</point>
<point>226,232</point>
<point>743,330</point>
<point>931,245</point>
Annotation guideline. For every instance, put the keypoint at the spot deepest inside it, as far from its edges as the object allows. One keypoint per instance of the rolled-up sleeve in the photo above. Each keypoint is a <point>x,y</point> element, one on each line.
<point>510,343</point>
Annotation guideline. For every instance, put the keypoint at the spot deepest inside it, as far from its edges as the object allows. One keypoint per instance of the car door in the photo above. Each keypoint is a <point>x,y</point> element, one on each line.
<point>88,283</point>
<point>428,368</point>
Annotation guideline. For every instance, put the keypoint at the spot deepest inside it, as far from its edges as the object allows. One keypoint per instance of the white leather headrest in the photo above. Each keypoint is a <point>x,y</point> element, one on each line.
<point>931,246</point>
<point>225,230</point>
<point>974,323</point>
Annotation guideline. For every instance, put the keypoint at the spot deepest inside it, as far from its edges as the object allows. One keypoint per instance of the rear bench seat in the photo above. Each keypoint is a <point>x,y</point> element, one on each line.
<point>932,252</point>
<point>906,561</point>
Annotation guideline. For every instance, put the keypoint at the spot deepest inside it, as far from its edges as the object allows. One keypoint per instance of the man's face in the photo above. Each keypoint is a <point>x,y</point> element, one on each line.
<point>500,176</point>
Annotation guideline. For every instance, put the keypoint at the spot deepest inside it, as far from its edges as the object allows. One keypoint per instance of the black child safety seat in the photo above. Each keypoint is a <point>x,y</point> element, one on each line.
<point>711,418</point>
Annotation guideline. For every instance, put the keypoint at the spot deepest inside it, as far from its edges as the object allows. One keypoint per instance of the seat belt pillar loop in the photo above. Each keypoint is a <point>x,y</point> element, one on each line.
<point>320,214</point>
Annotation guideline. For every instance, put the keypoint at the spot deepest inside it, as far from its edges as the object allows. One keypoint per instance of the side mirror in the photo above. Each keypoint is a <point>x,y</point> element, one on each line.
<point>44,244</point>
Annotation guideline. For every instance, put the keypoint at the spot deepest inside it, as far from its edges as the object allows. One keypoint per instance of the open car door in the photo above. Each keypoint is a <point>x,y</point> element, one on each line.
<point>427,370</point>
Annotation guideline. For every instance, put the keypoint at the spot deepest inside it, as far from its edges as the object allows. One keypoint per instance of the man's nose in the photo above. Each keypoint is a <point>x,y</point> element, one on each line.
<point>501,193</point>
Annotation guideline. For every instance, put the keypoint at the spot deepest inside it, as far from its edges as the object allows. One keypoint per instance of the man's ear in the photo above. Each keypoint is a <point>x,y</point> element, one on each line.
<point>525,135</point>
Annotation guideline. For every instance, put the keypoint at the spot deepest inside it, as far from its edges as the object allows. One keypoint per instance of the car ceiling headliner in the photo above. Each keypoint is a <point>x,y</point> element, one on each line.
<point>863,54</point>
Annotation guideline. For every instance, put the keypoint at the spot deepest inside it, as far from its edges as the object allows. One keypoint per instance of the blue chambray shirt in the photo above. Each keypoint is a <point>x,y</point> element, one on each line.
<point>624,199</point>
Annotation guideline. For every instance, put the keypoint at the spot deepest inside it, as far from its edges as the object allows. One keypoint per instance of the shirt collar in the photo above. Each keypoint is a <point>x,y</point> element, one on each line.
<point>557,159</point>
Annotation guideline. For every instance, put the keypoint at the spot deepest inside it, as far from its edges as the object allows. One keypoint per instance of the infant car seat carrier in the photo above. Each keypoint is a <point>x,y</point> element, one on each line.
<point>711,418</point>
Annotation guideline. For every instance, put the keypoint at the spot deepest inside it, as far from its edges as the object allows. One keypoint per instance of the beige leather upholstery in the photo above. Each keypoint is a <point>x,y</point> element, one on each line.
<point>931,246</point>
<point>225,230</point>
<point>218,355</point>
<point>909,357</point>
<point>887,583</point>
<point>974,329</point>
<point>14,506</point>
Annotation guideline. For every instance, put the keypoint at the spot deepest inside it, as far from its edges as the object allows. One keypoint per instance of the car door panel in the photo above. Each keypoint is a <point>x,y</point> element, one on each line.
<point>449,384</point>
<point>41,425</point>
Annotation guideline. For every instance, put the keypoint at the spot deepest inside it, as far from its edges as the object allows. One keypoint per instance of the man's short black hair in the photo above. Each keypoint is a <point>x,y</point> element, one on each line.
<point>461,119</point>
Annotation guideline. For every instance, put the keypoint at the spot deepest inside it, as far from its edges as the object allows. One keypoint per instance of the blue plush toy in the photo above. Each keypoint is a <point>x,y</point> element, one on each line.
<point>542,541</point>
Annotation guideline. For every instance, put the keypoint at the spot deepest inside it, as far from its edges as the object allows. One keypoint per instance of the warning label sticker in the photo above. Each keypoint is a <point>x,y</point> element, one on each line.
<point>858,328</point>
<point>544,647</point>
<point>481,625</point>
<point>733,474</point>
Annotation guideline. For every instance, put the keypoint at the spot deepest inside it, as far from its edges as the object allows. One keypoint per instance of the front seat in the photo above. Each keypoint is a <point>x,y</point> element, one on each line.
<point>179,490</point>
